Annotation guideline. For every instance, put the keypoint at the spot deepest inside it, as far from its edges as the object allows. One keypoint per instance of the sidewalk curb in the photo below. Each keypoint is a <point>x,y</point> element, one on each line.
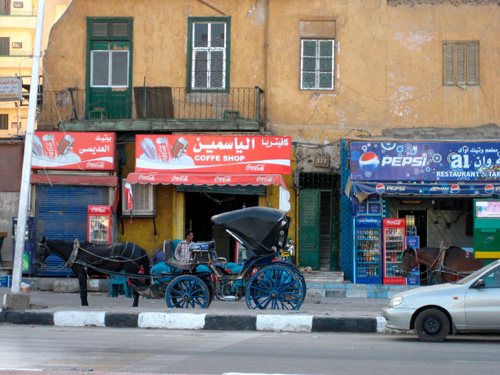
<point>194,321</point>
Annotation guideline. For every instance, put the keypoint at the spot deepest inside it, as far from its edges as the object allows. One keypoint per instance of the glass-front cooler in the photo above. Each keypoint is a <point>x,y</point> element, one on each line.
<point>368,235</point>
<point>99,225</point>
<point>394,245</point>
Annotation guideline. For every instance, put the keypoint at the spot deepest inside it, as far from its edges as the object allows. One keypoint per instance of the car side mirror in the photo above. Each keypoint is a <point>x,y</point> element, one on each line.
<point>480,283</point>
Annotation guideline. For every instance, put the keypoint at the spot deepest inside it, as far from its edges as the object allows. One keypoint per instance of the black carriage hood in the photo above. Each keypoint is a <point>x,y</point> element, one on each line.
<point>261,230</point>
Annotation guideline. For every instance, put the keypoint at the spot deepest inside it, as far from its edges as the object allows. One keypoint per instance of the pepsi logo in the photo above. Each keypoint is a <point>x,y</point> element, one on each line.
<point>369,161</point>
<point>488,189</point>
<point>380,188</point>
<point>455,189</point>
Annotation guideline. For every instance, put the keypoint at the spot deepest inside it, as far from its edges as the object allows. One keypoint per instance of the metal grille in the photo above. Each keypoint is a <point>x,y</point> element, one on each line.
<point>347,255</point>
<point>323,181</point>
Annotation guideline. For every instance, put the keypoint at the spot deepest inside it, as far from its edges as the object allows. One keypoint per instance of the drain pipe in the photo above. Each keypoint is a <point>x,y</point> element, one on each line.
<point>266,51</point>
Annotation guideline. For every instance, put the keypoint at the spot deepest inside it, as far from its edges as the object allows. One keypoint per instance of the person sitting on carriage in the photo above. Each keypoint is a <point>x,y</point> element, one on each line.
<point>183,250</point>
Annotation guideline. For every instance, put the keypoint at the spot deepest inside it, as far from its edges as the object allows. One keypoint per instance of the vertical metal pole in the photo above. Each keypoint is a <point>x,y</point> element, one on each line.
<point>28,148</point>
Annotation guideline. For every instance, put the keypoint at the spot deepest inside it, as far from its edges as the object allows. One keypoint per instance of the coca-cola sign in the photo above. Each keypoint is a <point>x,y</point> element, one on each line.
<point>255,168</point>
<point>147,178</point>
<point>222,179</point>
<point>99,210</point>
<point>393,222</point>
<point>264,179</point>
<point>179,178</point>
<point>79,151</point>
<point>213,154</point>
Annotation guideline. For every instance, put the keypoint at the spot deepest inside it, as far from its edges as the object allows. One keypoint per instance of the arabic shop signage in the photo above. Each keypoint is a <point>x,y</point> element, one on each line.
<point>425,161</point>
<point>10,89</point>
<point>206,153</point>
<point>74,151</point>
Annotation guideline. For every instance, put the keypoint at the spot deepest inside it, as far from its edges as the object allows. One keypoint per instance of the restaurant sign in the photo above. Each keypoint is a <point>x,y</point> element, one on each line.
<point>212,153</point>
<point>74,151</point>
<point>10,89</point>
<point>425,161</point>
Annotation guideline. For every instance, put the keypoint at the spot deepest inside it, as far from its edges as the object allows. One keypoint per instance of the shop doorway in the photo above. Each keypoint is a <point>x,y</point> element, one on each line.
<point>421,224</point>
<point>201,206</point>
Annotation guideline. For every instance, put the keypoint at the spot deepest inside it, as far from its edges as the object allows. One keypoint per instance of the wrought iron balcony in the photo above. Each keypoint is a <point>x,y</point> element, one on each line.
<point>153,108</point>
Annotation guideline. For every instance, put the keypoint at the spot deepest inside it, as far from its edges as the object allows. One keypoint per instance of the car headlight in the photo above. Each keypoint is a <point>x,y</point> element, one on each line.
<point>396,301</point>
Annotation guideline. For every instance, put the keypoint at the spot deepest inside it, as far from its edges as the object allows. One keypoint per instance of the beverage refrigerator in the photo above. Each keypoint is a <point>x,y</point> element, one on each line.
<point>99,224</point>
<point>368,235</point>
<point>393,247</point>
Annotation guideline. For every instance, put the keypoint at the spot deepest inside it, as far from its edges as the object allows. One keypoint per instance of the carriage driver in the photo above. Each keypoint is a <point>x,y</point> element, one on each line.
<point>183,250</point>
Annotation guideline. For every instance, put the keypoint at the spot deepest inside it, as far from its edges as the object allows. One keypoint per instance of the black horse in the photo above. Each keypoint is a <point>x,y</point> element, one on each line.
<point>88,259</point>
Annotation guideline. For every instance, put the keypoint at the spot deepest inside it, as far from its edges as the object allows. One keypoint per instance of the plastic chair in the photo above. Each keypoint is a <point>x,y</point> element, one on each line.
<point>118,285</point>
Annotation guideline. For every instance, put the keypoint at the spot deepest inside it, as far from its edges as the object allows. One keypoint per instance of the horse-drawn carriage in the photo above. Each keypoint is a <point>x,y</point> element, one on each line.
<point>264,280</point>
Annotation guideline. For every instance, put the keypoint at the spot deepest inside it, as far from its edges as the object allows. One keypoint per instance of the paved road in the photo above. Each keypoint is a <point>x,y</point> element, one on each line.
<point>204,352</point>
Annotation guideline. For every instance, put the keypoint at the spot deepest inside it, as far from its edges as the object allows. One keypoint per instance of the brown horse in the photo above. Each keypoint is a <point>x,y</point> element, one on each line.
<point>451,264</point>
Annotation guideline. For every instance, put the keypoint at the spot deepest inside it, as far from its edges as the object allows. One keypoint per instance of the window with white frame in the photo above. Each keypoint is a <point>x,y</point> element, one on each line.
<point>209,54</point>
<point>109,68</point>
<point>317,64</point>
<point>460,63</point>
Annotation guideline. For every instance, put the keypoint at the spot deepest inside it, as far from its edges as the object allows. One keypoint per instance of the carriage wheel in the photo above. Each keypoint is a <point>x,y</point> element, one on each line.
<point>188,291</point>
<point>298,274</point>
<point>432,325</point>
<point>274,287</point>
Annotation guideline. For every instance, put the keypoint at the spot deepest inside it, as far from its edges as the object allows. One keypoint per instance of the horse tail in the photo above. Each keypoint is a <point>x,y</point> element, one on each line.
<point>145,264</point>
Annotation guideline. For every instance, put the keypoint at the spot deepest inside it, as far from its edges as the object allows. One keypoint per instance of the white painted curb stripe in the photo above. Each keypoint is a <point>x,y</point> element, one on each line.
<point>302,323</point>
<point>381,324</point>
<point>171,321</point>
<point>79,318</point>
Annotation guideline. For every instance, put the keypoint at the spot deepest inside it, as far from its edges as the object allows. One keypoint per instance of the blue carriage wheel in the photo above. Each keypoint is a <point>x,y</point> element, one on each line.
<point>188,291</point>
<point>274,287</point>
<point>298,274</point>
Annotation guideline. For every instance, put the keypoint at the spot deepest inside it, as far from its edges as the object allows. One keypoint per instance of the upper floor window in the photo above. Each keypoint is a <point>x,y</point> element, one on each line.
<point>317,64</point>
<point>4,46</point>
<point>208,54</point>
<point>5,7</point>
<point>4,122</point>
<point>460,63</point>
<point>109,68</point>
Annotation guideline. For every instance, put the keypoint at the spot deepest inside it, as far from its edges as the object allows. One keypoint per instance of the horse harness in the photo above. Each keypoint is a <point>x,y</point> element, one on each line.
<point>442,267</point>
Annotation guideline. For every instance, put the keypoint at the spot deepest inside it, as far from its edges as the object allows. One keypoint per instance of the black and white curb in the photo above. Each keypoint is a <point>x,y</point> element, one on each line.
<point>192,321</point>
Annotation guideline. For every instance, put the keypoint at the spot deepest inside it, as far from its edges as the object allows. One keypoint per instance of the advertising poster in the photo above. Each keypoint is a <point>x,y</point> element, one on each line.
<point>207,153</point>
<point>74,151</point>
<point>425,161</point>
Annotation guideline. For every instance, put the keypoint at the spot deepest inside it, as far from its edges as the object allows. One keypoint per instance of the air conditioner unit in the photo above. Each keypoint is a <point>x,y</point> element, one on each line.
<point>143,200</point>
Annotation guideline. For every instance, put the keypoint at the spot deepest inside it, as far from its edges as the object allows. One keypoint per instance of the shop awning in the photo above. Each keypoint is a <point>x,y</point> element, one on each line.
<point>206,179</point>
<point>70,179</point>
<point>432,189</point>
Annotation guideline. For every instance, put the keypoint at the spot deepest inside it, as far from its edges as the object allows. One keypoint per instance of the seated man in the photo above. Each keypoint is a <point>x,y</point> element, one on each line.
<point>183,250</point>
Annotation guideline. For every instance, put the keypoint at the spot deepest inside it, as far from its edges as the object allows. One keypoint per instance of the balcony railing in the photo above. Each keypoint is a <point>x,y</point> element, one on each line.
<point>167,103</point>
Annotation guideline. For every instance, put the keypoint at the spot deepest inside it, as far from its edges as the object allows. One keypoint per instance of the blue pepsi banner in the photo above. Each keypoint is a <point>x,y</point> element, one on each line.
<point>430,189</point>
<point>425,161</point>
<point>368,222</point>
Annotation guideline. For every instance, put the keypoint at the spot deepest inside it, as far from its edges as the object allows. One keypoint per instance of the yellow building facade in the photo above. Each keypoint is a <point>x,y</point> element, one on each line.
<point>328,70</point>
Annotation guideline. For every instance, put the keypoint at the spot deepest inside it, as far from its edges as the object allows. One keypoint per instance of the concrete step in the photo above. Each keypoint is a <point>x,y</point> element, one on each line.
<point>347,289</point>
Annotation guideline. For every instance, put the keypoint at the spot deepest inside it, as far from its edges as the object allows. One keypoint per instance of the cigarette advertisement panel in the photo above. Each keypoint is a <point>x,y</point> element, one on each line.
<point>74,151</point>
<point>207,153</point>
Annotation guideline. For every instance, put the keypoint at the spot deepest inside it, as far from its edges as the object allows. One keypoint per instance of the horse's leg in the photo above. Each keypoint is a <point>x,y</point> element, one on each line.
<point>82,279</point>
<point>136,299</point>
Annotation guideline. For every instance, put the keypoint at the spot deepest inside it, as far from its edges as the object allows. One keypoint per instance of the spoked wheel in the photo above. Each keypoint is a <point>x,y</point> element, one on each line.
<point>274,287</point>
<point>188,291</point>
<point>299,275</point>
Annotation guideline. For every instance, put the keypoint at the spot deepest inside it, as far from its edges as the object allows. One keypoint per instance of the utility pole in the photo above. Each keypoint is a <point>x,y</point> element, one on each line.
<point>16,300</point>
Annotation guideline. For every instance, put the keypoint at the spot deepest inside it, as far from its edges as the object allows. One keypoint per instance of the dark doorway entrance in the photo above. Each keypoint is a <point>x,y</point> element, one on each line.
<point>200,207</point>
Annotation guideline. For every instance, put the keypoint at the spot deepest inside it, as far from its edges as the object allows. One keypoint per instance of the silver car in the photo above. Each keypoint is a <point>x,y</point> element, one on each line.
<point>469,305</point>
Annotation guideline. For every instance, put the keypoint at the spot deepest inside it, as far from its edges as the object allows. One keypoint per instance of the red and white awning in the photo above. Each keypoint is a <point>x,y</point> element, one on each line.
<point>209,179</point>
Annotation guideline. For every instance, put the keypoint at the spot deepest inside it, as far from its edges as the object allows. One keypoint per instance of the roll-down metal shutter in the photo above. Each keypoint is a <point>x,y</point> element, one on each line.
<point>61,213</point>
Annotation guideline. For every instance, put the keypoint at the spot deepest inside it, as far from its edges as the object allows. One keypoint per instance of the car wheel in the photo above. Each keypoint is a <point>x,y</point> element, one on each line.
<point>432,325</point>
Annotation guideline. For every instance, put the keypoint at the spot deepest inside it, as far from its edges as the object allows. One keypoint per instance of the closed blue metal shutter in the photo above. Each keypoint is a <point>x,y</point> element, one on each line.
<point>61,213</point>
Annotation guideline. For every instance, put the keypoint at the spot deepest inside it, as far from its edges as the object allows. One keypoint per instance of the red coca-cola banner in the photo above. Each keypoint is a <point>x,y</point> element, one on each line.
<point>212,153</point>
<point>74,151</point>
<point>99,210</point>
<point>205,179</point>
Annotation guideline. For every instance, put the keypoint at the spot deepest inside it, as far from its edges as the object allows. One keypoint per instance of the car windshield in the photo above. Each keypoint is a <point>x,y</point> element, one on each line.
<point>473,275</point>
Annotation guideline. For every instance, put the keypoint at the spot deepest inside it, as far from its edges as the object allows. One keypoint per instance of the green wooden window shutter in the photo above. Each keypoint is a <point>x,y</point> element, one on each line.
<point>448,65</point>
<point>473,63</point>
<point>461,55</point>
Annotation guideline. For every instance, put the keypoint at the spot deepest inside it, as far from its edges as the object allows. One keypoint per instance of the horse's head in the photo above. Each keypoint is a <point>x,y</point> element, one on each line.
<point>42,252</point>
<point>409,261</point>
